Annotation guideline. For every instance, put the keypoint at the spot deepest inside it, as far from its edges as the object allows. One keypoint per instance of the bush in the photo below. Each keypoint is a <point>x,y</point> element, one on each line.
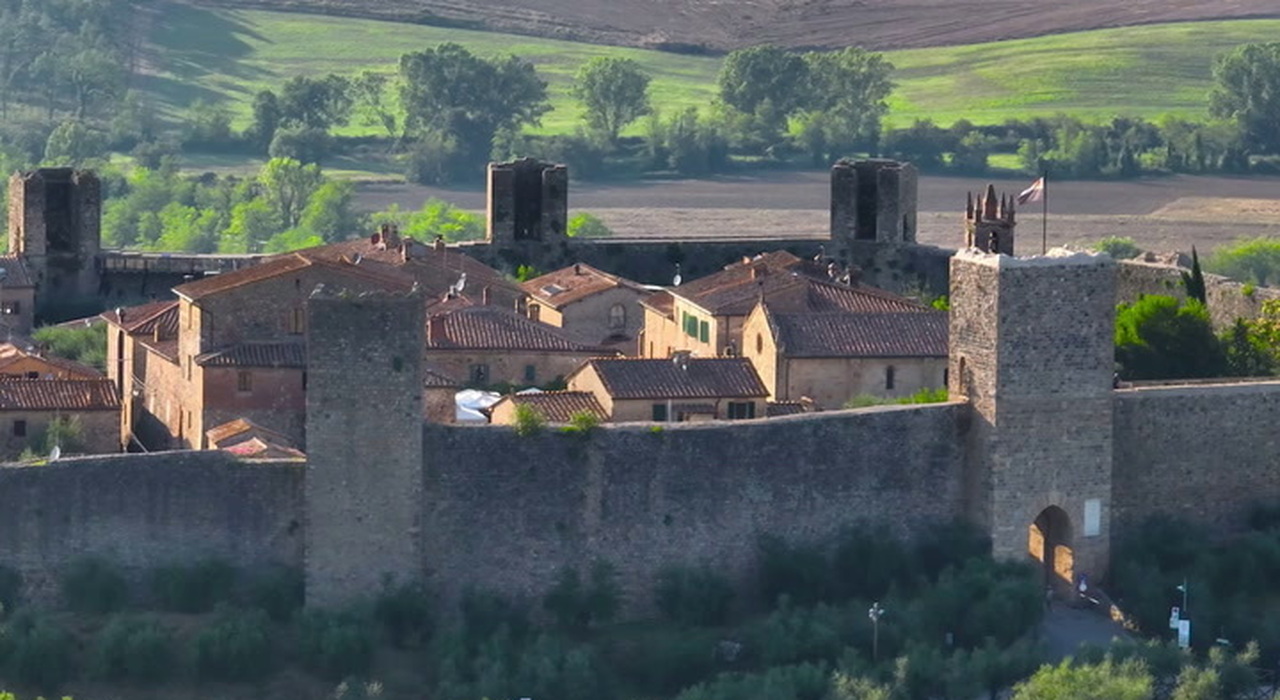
<point>278,592</point>
<point>694,596</point>
<point>529,420</point>
<point>867,561</point>
<point>94,586</point>
<point>1118,247</point>
<point>485,613</point>
<point>236,646</point>
<point>586,225</point>
<point>797,572</point>
<point>662,662</point>
<point>136,649</point>
<point>404,612</point>
<point>582,422</point>
<point>576,607</point>
<point>302,145</point>
<point>39,652</point>
<point>335,645</point>
<point>195,588</point>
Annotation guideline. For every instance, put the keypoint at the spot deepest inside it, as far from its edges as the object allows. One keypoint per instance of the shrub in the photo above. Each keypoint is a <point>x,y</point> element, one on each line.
<point>39,653</point>
<point>585,225</point>
<point>789,635</point>
<point>798,572</point>
<point>404,612</point>
<point>485,613</point>
<point>278,592</point>
<point>529,420</point>
<point>582,422</point>
<point>236,646</point>
<point>130,648</point>
<point>195,588</point>
<point>662,662</point>
<point>335,645</point>
<point>867,561</point>
<point>576,607</point>
<point>1118,247</point>
<point>694,596</point>
<point>94,586</point>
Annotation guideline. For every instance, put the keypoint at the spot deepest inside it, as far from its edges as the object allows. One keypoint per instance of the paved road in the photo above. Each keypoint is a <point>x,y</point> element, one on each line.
<point>1064,629</point>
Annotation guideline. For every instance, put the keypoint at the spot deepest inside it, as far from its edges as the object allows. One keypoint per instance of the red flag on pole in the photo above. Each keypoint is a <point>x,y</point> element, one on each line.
<point>1034,193</point>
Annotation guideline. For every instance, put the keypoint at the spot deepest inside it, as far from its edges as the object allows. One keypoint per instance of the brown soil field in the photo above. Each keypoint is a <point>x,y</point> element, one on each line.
<point>1171,213</point>
<point>721,25</point>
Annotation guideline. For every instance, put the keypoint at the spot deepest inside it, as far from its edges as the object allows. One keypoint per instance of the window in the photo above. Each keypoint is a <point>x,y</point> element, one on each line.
<point>304,381</point>
<point>740,410</point>
<point>704,331</point>
<point>19,428</point>
<point>617,317</point>
<point>946,377</point>
<point>759,344</point>
<point>480,374</point>
<point>530,373</point>
<point>244,382</point>
<point>11,308</point>
<point>690,324</point>
<point>535,312</point>
<point>33,375</point>
<point>660,412</point>
<point>297,320</point>
<point>189,363</point>
<point>888,378</point>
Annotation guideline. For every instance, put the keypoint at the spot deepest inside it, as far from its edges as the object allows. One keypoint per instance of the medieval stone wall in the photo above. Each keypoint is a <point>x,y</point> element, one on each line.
<point>141,511</point>
<point>1201,453</point>
<point>507,512</point>
<point>1227,298</point>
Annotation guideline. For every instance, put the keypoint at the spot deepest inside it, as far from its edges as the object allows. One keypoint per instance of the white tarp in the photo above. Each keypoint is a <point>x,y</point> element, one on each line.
<point>470,404</point>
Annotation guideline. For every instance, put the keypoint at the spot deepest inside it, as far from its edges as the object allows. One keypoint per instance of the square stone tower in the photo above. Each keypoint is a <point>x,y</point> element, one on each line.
<point>873,200</point>
<point>364,485</point>
<point>55,224</point>
<point>1032,348</point>
<point>528,203</point>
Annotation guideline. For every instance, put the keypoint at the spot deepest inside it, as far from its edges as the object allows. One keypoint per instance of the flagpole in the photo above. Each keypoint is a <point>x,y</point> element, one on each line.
<point>1044,214</point>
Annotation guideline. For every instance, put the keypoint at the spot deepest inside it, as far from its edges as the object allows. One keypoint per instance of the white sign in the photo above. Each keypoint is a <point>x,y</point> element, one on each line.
<point>1174,617</point>
<point>1184,633</point>
<point>1093,517</point>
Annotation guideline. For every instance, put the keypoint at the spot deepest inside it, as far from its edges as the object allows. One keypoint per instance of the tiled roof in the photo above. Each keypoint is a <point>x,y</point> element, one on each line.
<point>15,272</point>
<point>697,378</point>
<point>559,406</point>
<point>146,318</point>
<point>579,281</point>
<point>58,395</point>
<point>11,354</point>
<point>373,272</point>
<point>257,354</point>
<point>784,408</point>
<point>842,334</point>
<point>493,328</point>
<point>243,428</point>
<point>433,378</point>
<point>785,281</point>
<point>256,448</point>
<point>662,302</point>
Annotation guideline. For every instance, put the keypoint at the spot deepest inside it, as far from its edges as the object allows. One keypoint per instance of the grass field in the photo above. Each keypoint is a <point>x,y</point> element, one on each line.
<point>1145,71</point>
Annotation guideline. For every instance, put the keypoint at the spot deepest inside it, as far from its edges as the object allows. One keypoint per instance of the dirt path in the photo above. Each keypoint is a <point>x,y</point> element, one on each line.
<point>1159,213</point>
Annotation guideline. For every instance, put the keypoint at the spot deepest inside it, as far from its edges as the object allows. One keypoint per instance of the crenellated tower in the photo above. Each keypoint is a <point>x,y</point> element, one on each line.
<point>989,222</point>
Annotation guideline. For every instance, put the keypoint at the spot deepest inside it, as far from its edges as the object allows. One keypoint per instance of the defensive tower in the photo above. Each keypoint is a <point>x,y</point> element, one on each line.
<point>988,222</point>
<point>1032,349</point>
<point>364,485</point>
<point>528,203</point>
<point>55,225</point>
<point>873,200</point>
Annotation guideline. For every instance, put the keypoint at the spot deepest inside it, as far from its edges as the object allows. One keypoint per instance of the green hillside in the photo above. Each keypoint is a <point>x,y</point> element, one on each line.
<point>229,55</point>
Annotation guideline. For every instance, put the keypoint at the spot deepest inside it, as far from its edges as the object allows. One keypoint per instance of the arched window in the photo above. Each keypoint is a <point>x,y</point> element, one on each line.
<point>759,344</point>
<point>617,317</point>
<point>888,378</point>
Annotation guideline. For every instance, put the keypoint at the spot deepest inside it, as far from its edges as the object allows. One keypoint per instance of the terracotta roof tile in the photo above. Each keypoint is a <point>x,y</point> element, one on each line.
<point>11,354</point>
<point>579,281</point>
<point>493,328</point>
<point>216,284</point>
<point>841,334</point>
<point>257,354</point>
<point>699,378</point>
<point>662,302</point>
<point>146,318</point>
<point>15,272</point>
<point>559,406</point>
<point>58,395</point>
<point>434,378</point>
<point>784,408</point>
<point>240,429</point>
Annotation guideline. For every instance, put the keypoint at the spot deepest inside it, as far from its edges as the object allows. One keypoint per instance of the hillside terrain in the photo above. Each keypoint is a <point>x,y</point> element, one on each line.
<point>717,25</point>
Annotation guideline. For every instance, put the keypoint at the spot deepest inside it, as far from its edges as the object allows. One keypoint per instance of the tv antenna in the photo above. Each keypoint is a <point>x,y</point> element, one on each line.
<point>675,281</point>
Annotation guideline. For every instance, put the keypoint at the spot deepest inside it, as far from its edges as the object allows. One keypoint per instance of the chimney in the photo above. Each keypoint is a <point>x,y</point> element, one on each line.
<point>758,271</point>
<point>120,314</point>
<point>438,244</point>
<point>577,268</point>
<point>391,234</point>
<point>485,296</point>
<point>435,329</point>
<point>405,253</point>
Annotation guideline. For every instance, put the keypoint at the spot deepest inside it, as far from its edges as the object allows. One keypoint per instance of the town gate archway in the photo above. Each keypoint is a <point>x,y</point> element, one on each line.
<point>1049,542</point>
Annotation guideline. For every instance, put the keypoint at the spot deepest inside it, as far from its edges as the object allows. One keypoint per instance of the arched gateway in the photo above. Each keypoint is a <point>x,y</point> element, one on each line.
<point>1049,541</point>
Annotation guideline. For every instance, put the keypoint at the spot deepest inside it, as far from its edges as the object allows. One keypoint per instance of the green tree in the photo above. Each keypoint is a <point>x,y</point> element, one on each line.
<point>1247,90</point>
<point>287,186</point>
<point>586,225</point>
<point>315,103</point>
<point>1109,680</point>
<point>1160,337</point>
<point>436,218</point>
<point>369,93</point>
<point>613,91</point>
<point>329,212</point>
<point>1193,281</point>
<point>749,78</point>
<point>72,143</point>
<point>1118,247</point>
<point>448,90</point>
<point>253,223</point>
<point>849,88</point>
<point>266,118</point>
<point>1256,260</point>
<point>1248,355</point>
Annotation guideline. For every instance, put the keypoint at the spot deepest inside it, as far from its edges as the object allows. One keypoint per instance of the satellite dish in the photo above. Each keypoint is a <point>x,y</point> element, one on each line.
<point>55,453</point>
<point>675,281</point>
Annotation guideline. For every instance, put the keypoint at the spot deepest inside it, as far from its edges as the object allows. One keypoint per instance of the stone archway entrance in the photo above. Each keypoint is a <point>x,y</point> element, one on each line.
<point>1049,542</point>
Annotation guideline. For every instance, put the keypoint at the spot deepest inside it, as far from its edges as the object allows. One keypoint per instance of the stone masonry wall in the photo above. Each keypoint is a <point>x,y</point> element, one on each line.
<point>1226,297</point>
<point>146,510</point>
<point>506,512</point>
<point>1200,453</point>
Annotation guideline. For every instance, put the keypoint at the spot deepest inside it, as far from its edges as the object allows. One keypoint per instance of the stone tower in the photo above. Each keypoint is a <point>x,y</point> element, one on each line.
<point>873,200</point>
<point>528,203</point>
<point>364,484</point>
<point>988,223</point>
<point>1032,350</point>
<point>55,219</point>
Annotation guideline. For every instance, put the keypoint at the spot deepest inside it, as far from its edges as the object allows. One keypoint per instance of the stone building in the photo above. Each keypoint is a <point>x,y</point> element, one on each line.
<point>17,298</point>
<point>595,306</point>
<point>873,200</point>
<point>829,357</point>
<point>29,406</point>
<point>706,316</point>
<point>17,363</point>
<point>55,220</point>
<point>676,390</point>
<point>552,406</point>
<point>989,222</point>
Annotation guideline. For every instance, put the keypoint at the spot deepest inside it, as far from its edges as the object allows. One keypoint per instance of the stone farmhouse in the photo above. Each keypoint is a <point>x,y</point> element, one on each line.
<point>28,407</point>
<point>598,307</point>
